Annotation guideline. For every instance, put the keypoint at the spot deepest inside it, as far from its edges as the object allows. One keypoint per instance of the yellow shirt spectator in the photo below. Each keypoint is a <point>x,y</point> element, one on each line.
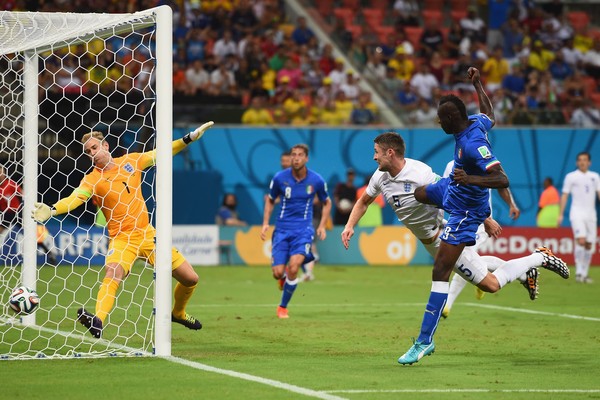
<point>268,80</point>
<point>257,117</point>
<point>540,58</point>
<point>495,70</point>
<point>294,107</point>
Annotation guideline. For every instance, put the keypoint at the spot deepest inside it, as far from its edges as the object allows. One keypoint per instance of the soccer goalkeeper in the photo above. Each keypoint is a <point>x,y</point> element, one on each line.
<point>115,185</point>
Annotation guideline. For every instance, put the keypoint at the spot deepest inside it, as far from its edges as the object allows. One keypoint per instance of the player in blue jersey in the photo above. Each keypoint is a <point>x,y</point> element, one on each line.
<point>467,201</point>
<point>293,235</point>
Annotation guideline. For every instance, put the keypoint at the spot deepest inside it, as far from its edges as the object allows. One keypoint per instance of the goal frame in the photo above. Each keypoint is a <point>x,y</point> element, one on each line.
<point>163,19</point>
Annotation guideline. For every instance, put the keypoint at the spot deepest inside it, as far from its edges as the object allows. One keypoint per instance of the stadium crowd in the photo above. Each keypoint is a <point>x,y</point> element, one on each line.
<point>540,63</point>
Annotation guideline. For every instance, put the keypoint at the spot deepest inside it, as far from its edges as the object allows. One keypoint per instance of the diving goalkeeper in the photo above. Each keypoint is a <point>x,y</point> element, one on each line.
<point>115,185</point>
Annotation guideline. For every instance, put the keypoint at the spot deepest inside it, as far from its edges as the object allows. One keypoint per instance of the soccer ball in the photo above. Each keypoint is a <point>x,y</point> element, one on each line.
<point>24,300</point>
<point>345,205</point>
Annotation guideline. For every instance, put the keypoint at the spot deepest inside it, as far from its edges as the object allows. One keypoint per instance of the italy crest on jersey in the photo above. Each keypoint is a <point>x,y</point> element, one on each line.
<point>309,189</point>
<point>129,168</point>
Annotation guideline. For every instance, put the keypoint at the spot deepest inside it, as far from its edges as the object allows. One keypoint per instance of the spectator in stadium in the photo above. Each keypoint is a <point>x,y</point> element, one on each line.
<point>279,58</point>
<point>243,18</point>
<point>402,64</point>
<point>540,58</point>
<point>337,75</point>
<point>498,15</point>
<point>375,66</point>
<point>407,97</point>
<point>424,82</point>
<point>291,71</point>
<point>503,106</point>
<point>559,69</point>
<point>327,61</point>
<point>439,69</point>
<point>424,114</point>
<point>514,82</point>
<point>591,60</point>
<point>302,33</point>
<point>350,86</point>
<point>454,38</point>
<point>283,91</point>
<point>407,12</point>
<point>295,108</point>
<point>494,70</point>
<point>196,43</point>
<point>227,214</point>
<point>473,26</point>
<point>325,94</point>
<point>548,206</point>
<point>224,46</point>
<point>584,115</point>
<point>130,232</point>
<point>343,107</point>
<point>512,34</point>
<point>432,39</point>
<point>293,235</point>
<point>583,186</point>
<point>222,82</point>
<point>257,114</point>
<point>361,113</point>
<point>197,79</point>
<point>344,197</point>
<point>573,56</point>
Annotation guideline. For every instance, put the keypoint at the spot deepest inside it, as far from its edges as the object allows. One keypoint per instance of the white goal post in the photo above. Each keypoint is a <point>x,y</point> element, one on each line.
<point>49,63</point>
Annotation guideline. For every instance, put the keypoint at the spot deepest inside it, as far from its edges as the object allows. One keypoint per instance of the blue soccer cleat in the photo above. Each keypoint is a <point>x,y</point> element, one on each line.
<point>416,352</point>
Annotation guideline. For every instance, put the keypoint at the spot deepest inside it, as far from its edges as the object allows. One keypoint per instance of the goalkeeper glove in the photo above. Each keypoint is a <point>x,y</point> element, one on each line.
<point>197,134</point>
<point>42,212</point>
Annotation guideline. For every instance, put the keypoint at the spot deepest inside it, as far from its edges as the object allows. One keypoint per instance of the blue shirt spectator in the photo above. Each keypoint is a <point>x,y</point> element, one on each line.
<point>302,34</point>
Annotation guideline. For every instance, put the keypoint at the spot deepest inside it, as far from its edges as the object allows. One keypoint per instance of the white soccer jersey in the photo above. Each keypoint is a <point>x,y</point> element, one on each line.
<point>399,192</point>
<point>583,188</point>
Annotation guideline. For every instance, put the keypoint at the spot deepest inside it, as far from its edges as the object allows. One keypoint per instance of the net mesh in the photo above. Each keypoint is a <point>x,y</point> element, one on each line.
<point>96,73</point>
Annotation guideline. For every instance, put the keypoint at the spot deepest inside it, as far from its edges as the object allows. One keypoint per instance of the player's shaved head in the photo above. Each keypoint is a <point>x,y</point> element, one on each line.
<point>452,113</point>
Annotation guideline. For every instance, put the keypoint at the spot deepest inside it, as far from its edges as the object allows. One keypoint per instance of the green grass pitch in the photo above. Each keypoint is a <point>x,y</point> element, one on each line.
<point>345,333</point>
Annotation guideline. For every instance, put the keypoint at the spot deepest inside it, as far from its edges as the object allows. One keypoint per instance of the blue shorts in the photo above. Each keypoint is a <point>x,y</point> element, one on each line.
<point>286,243</point>
<point>436,191</point>
<point>462,227</point>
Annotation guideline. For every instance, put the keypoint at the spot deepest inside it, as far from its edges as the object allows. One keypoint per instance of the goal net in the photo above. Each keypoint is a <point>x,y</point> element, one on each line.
<point>63,75</point>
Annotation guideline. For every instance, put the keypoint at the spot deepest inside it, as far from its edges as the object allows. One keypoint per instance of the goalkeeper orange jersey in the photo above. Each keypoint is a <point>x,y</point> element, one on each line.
<point>118,192</point>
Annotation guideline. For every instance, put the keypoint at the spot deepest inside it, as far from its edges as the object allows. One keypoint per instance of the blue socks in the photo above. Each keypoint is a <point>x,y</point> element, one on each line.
<point>433,311</point>
<point>288,290</point>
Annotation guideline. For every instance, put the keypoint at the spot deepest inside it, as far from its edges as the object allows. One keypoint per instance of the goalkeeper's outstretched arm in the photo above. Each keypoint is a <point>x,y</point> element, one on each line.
<point>42,212</point>
<point>179,144</point>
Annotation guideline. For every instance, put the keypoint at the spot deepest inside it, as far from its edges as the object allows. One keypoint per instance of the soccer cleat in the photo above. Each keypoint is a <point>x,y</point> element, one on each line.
<point>531,283</point>
<point>189,322</point>
<point>280,283</point>
<point>553,263</point>
<point>445,312</point>
<point>308,277</point>
<point>91,322</point>
<point>479,293</point>
<point>282,312</point>
<point>587,280</point>
<point>416,352</point>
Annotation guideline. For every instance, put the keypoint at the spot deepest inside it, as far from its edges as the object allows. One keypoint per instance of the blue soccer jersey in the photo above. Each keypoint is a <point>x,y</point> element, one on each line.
<point>472,154</point>
<point>297,197</point>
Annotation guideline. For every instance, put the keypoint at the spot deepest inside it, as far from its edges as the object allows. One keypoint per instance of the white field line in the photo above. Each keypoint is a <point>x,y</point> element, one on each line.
<point>527,311</point>
<point>257,379</point>
<point>337,305</point>
<point>467,391</point>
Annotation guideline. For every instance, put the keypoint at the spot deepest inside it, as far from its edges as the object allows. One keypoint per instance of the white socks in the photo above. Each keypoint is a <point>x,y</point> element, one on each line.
<point>513,269</point>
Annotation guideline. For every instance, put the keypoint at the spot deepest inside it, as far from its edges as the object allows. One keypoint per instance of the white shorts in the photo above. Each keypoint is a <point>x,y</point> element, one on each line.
<point>470,266</point>
<point>584,228</point>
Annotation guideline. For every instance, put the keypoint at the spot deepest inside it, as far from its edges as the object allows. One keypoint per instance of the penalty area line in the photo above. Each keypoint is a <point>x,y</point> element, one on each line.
<point>257,379</point>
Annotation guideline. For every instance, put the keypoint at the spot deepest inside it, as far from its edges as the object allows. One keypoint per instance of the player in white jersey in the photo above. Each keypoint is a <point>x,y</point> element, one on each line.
<point>529,280</point>
<point>583,185</point>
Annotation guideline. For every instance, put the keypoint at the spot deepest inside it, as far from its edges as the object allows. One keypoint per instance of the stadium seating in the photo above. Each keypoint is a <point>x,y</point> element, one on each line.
<point>413,34</point>
<point>433,4</point>
<point>432,15</point>
<point>578,19</point>
<point>346,14</point>
<point>457,15</point>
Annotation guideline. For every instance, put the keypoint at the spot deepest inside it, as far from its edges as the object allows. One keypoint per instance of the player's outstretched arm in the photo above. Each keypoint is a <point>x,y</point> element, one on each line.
<point>496,178</point>
<point>359,209</point>
<point>194,135</point>
<point>43,212</point>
